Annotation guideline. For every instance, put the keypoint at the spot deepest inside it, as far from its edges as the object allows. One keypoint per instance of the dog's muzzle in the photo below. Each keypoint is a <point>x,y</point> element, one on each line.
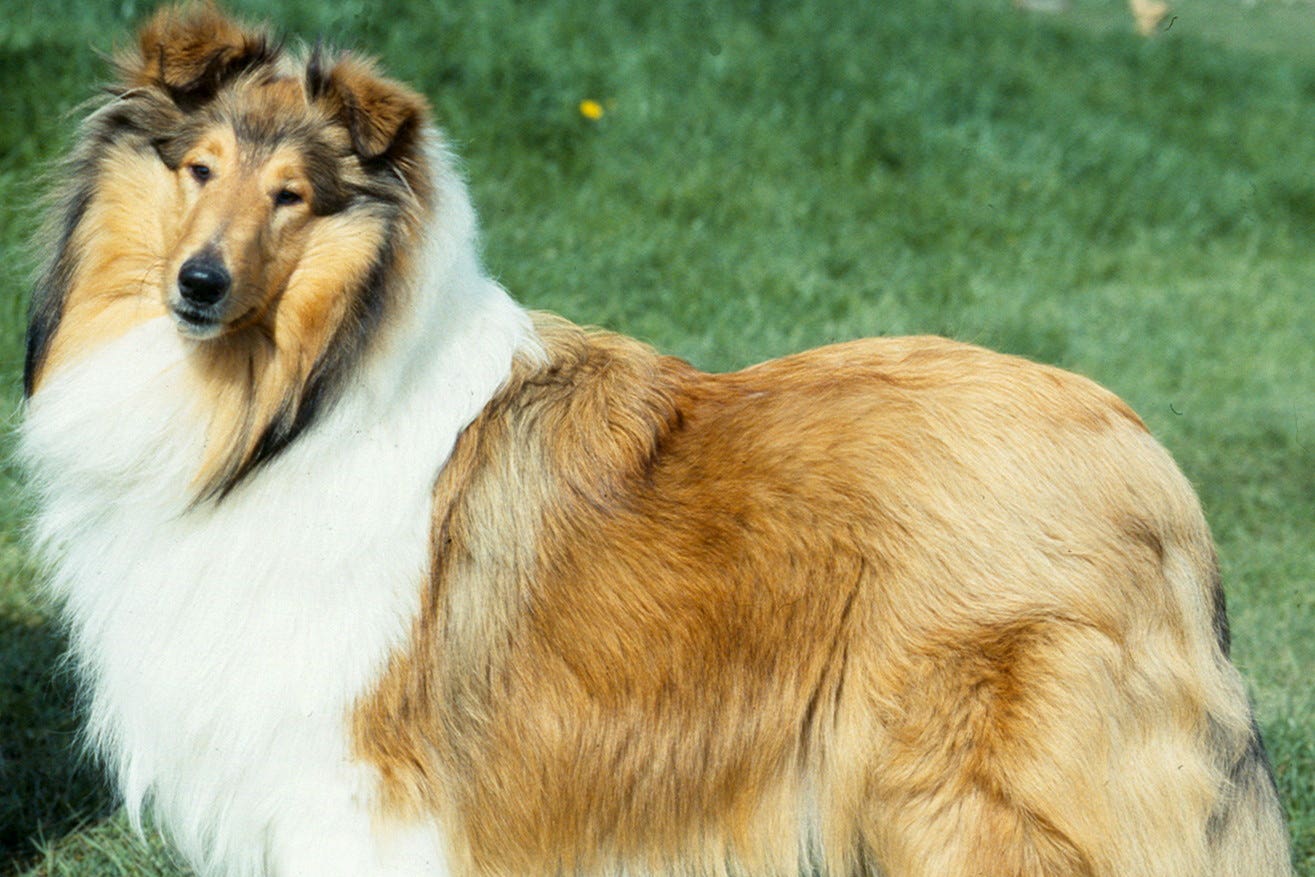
<point>203,284</point>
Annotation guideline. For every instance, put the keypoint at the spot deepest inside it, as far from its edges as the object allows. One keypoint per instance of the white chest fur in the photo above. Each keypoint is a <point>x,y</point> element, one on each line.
<point>223,646</point>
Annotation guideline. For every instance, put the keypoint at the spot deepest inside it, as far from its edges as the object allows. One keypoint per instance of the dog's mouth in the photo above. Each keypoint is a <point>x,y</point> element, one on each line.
<point>206,323</point>
<point>195,322</point>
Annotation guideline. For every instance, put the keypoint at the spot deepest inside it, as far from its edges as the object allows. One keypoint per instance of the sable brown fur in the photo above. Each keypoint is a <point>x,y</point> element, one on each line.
<point>898,606</point>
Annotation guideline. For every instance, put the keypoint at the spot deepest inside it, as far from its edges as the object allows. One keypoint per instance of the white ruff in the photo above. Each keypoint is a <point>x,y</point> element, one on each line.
<point>223,647</point>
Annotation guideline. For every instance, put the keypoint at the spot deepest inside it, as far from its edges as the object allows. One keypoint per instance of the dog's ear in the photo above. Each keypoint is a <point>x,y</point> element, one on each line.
<point>191,51</point>
<point>383,117</point>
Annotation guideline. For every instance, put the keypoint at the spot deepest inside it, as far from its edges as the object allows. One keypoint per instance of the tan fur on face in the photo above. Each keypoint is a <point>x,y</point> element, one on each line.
<point>898,606</point>
<point>234,216</point>
<point>117,281</point>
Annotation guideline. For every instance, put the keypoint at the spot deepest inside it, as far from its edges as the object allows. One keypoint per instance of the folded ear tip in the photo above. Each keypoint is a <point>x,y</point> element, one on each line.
<point>379,113</point>
<point>185,46</point>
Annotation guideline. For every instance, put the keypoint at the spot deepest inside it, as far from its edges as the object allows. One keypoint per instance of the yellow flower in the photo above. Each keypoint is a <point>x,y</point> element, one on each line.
<point>591,109</point>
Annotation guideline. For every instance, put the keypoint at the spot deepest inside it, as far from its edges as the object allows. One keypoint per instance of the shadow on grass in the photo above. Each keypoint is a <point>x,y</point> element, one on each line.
<point>48,788</point>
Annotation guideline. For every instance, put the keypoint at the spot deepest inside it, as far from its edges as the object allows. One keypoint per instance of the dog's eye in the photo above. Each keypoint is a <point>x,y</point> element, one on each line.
<point>284,197</point>
<point>200,172</point>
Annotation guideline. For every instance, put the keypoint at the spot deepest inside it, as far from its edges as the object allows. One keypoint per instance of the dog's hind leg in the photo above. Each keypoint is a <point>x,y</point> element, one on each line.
<point>1046,749</point>
<point>990,758</point>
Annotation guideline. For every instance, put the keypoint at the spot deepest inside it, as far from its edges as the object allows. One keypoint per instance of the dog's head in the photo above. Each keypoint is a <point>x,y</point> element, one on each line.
<point>264,200</point>
<point>272,160</point>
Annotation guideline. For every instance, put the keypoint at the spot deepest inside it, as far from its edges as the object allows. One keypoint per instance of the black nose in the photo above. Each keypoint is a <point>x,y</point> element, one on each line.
<point>203,281</point>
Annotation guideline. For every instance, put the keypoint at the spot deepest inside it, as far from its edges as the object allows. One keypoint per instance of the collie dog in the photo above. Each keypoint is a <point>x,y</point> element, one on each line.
<point>369,571</point>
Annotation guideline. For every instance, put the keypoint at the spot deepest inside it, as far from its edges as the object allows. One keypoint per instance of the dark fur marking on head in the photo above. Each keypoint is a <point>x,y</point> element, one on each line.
<point>317,76</point>
<point>174,145</point>
<point>323,167</point>
<point>322,162</point>
<point>218,71</point>
<point>266,131</point>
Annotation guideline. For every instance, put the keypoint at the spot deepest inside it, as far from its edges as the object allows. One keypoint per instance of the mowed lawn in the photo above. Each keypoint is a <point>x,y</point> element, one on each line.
<point>767,176</point>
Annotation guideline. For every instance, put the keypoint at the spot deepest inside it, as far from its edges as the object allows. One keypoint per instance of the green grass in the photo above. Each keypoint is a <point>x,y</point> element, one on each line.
<point>770,176</point>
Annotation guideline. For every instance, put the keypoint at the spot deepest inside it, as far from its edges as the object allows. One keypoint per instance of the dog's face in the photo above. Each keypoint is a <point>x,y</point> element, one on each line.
<point>246,206</point>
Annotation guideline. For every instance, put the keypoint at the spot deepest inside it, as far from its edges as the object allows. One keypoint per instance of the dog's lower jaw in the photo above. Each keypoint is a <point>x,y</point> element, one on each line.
<point>198,331</point>
<point>195,324</point>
